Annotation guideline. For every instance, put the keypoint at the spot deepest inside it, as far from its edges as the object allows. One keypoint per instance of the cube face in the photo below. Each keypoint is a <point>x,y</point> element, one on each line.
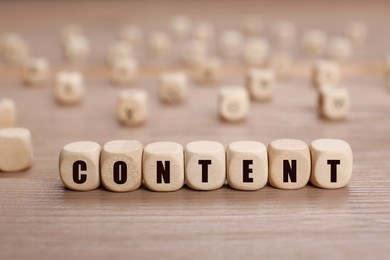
<point>69,88</point>
<point>233,103</point>
<point>181,25</point>
<point>247,165</point>
<point>14,50</point>
<point>314,43</point>
<point>163,166</point>
<point>256,50</point>
<point>159,45</point>
<point>124,71</point>
<point>79,165</point>
<point>15,149</point>
<point>339,49</point>
<point>326,73</point>
<point>36,71</point>
<point>333,103</point>
<point>132,107</point>
<point>76,49</point>
<point>205,165</point>
<point>7,113</point>
<point>260,84</point>
<point>357,32</point>
<point>121,165</point>
<point>173,87</point>
<point>331,163</point>
<point>230,44</point>
<point>132,34</point>
<point>204,31</point>
<point>280,63</point>
<point>208,71</point>
<point>289,164</point>
<point>194,52</point>
<point>118,51</point>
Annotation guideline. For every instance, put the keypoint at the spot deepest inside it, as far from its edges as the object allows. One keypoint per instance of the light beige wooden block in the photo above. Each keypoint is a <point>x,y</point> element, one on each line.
<point>357,32</point>
<point>333,103</point>
<point>208,70</point>
<point>230,44</point>
<point>36,71</point>
<point>124,71</point>
<point>260,84</point>
<point>181,25</point>
<point>14,50</point>
<point>132,107</point>
<point>121,165</point>
<point>289,164</point>
<point>163,166</point>
<point>283,33</point>
<point>247,165</point>
<point>331,163</point>
<point>79,165</point>
<point>251,25</point>
<point>204,31</point>
<point>159,44</point>
<point>7,113</point>
<point>69,87</point>
<point>256,51</point>
<point>194,52</point>
<point>314,42</point>
<point>117,51</point>
<point>173,87</point>
<point>70,31</point>
<point>132,34</point>
<point>205,167</point>
<point>233,103</point>
<point>76,49</point>
<point>16,152</point>
<point>326,73</point>
<point>280,63</point>
<point>339,49</point>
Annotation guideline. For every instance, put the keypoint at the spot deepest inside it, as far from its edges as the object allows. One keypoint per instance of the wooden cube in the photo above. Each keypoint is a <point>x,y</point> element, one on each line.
<point>314,42</point>
<point>124,71</point>
<point>260,84</point>
<point>173,87</point>
<point>7,113</point>
<point>132,34</point>
<point>16,152</point>
<point>233,103</point>
<point>69,88</point>
<point>251,25</point>
<point>159,44</point>
<point>289,164</point>
<point>230,44</point>
<point>121,165</point>
<point>36,71</point>
<point>333,103</point>
<point>208,70</point>
<point>70,31</point>
<point>79,165</point>
<point>326,73</point>
<point>163,166</point>
<point>280,63</point>
<point>247,165</point>
<point>205,165</point>
<point>194,52</point>
<point>132,107</point>
<point>339,49</point>
<point>117,51</point>
<point>180,25</point>
<point>357,32</point>
<point>76,49</point>
<point>331,163</point>
<point>14,50</point>
<point>283,33</point>
<point>256,50</point>
<point>204,31</point>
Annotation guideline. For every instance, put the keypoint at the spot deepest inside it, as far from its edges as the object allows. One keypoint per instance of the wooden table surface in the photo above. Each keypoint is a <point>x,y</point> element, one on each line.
<point>40,219</point>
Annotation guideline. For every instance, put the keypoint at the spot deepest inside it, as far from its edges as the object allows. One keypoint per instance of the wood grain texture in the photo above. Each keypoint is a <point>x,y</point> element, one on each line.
<point>40,219</point>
